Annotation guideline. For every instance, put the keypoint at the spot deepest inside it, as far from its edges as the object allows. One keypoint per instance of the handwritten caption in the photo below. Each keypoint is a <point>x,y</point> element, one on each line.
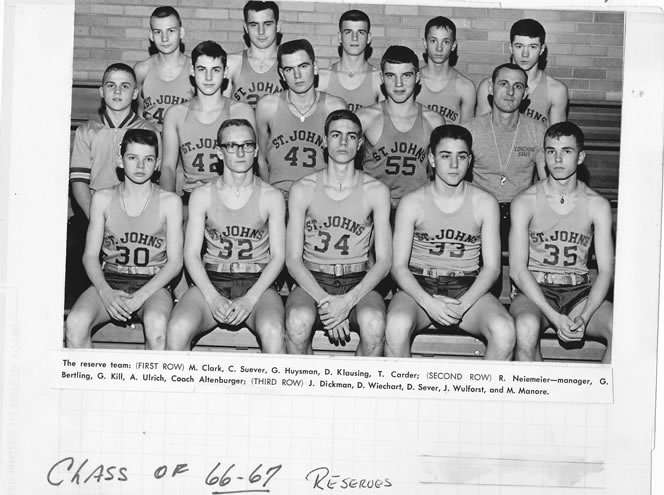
<point>378,378</point>
<point>222,478</point>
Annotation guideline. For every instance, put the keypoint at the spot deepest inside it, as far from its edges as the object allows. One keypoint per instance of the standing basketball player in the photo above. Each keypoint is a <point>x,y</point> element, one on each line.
<point>396,130</point>
<point>554,223</point>
<point>190,129</point>
<point>290,123</point>
<point>253,73</point>
<point>443,88</point>
<point>352,77</point>
<point>548,98</point>
<point>334,215</point>
<point>137,226</point>
<point>163,78</point>
<point>441,230</point>
<point>241,220</point>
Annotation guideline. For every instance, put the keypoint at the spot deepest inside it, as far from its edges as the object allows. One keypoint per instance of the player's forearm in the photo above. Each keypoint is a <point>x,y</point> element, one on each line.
<point>266,279</point>
<point>82,196</point>
<point>94,272</point>
<point>167,273</point>
<point>305,279</point>
<point>371,279</point>
<point>482,284</point>
<point>408,283</point>
<point>167,179</point>
<point>527,284</point>
<point>597,295</point>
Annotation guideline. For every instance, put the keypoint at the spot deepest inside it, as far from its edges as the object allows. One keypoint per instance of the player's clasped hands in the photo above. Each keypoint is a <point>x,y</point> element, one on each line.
<point>238,310</point>
<point>219,307</point>
<point>334,311</point>
<point>444,310</point>
<point>569,330</point>
<point>116,304</point>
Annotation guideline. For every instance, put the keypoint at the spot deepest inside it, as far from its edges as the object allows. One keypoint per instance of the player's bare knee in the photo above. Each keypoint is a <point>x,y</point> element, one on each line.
<point>299,323</point>
<point>272,336</point>
<point>399,327</point>
<point>502,332</point>
<point>77,329</point>
<point>177,334</point>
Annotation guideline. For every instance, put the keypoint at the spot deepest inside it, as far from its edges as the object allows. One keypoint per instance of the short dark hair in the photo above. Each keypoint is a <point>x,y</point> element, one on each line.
<point>528,27</point>
<point>293,46</point>
<point>398,54</point>
<point>119,67</point>
<point>440,22</point>
<point>451,131</point>
<point>210,49</point>
<point>140,136</point>
<point>234,123</point>
<point>355,15</point>
<point>258,6</point>
<point>509,66</point>
<point>556,131</point>
<point>166,11</point>
<point>342,114</point>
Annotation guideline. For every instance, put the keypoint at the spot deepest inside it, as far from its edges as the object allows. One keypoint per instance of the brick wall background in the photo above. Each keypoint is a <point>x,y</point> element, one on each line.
<point>585,49</point>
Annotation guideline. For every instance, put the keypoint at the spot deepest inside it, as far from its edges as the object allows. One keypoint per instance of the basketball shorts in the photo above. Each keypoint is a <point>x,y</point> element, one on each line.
<point>453,287</point>
<point>337,286</point>
<point>563,298</point>
<point>125,282</point>
<point>233,285</point>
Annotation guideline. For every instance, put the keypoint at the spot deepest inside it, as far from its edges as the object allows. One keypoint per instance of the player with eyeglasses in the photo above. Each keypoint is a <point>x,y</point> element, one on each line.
<point>239,221</point>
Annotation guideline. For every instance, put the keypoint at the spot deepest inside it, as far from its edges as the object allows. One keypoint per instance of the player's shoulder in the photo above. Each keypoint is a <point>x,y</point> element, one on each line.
<point>236,106</point>
<point>595,199</point>
<point>268,102</point>
<point>372,185</point>
<point>463,82</point>
<point>334,102</point>
<point>554,84</point>
<point>484,84</point>
<point>235,58</point>
<point>142,67</point>
<point>480,196</point>
<point>434,119</point>
<point>414,199</point>
<point>177,111</point>
<point>269,191</point>
<point>525,198</point>
<point>370,112</point>
<point>168,197</point>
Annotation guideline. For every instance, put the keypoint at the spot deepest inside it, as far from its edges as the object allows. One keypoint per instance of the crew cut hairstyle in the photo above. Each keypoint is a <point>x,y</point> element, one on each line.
<point>235,123</point>
<point>354,15</point>
<point>210,49</point>
<point>119,67</point>
<point>398,54</point>
<point>166,11</point>
<point>567,128</point>
<point>259,6</point>
<point>140,136</point>
<point>293,46</point>
<point>451,131</point>
<point>528,27</point>
<point>509,66</point>
<point>342,114</point>
<point>440,22</point>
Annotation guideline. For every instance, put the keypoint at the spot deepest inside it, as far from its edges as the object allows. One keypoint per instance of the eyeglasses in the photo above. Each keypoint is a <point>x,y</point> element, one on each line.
<point>247,147</point>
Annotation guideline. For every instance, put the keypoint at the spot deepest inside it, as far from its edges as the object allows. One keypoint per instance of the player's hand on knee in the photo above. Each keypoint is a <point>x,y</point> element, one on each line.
<point>219,307</point>
<point>116,305</point>
<point>134,303</point>
<point>238,310</point>
<point>333,310</point>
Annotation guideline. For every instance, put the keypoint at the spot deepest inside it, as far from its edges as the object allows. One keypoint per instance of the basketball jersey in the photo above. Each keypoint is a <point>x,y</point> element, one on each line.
<point>560,243</point>
<point>236,235</point>
<point>251,85</point>
<point>296,147</point>
<point>446,241</point>
<point>135,242</point>
<point>159,95</point>
<point>398,158</point>
<point>362,96</point>
<point>197,149</point>
<point>96,150</point>
<point>337,231</point>
<point>538,106</point>
<point>445,102</point>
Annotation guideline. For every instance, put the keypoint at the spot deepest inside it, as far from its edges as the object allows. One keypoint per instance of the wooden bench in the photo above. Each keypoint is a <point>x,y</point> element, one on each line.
<point>454,345</point>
